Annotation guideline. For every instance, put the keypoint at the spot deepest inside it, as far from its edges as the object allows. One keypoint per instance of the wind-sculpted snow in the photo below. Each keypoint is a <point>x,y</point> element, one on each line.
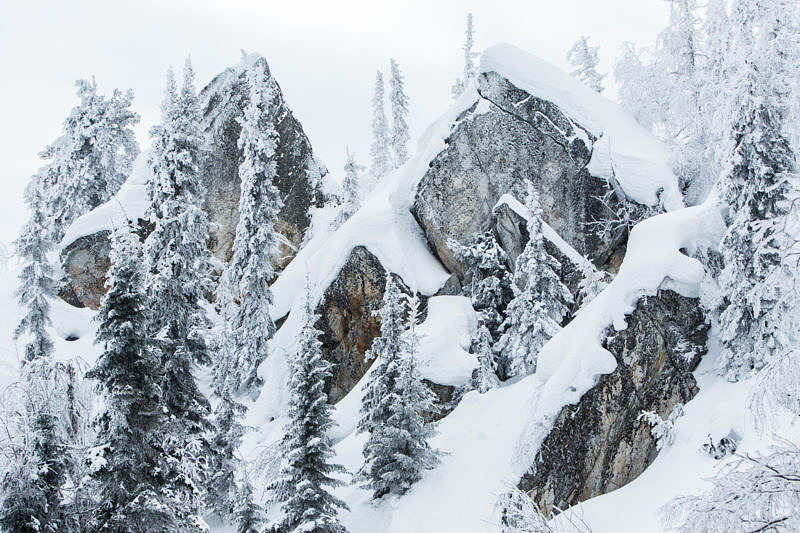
<point>624,151</point>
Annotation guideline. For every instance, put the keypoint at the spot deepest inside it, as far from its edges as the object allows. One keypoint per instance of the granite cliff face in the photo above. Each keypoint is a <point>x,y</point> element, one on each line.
<point>85,261</point>
<point>298,174</point>
<point>508,139</point>
<point>600,444</point>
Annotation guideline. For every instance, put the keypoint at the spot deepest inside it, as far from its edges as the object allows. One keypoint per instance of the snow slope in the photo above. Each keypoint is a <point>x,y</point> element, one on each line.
<point>623,151</point>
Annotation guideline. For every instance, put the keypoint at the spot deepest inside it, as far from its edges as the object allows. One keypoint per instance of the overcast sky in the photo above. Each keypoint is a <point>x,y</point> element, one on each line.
<point>323,53</point>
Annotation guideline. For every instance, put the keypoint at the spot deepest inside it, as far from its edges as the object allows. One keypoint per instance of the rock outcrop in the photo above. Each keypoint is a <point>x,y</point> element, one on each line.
<point>85,265</point>
<point>348,319</point>
<point>509,139</point>
<point>349,322</point>
<point>298,174</point>
<point>85,260</point>
<point>600,444</point>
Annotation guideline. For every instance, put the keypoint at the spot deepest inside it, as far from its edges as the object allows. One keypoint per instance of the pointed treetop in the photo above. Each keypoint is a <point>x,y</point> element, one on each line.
<point>170,96</point>
<point>188,78</point>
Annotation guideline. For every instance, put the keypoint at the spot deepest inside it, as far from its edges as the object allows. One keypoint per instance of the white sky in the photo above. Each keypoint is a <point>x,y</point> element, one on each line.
<point>323,53</point>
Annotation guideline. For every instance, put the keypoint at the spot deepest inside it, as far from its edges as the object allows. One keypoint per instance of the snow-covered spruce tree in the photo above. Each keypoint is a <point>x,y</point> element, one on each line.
<point>533,316</point>
<point>384,351</point>
<point>399,104</point>
<point>397,449</point>
<point>760,493</point>
<point>470,69</point>
<point>131,462</point>
<point>380,148</point>
<point>592,283</point>
<point>487,281</point>
<point>351,188</point>
<point>250,270</point>
<point>248,514</point>
<point>221,488</point>
<point>36,283</point>
<point>584,58</point>
<point>757,304</point>
<point>484,376</point>
<point>33,488</point>
<point>92,158</point>
<point>178,266</point>
<point>303,488</point>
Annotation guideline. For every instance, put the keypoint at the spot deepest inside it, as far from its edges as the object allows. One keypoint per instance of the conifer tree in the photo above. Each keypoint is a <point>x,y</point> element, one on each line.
<point>33,489</point>
<point>592,283</point>
<point>249,516</point>
<point>380,148</point>
<point>470,69</point>
<point>399,104</point>
<point>93,157</point>
<point>247,277</point>
<point>397,449</point>
<point>35,483</point>
<point>385,350</point>
<point>484,376</point>
<point>36,283</point>
<point>584,58</point>
<point>132,461</point>
<point>350,187</point>
<point>177,262</point>
<point>756,305</point>
<point>307,474</point>
<point>222,491</point>
<point>533,316</point>
<point>487,279</point>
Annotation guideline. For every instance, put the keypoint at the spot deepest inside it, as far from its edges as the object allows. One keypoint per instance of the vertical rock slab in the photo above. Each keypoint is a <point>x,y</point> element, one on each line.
<point>600,444</point>
<point>85,260</point>
<point>348,319</point>
<point>298,174</point>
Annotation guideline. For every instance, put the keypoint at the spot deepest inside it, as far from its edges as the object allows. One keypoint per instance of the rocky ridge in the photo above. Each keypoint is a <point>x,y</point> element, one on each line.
<point>507,139</point>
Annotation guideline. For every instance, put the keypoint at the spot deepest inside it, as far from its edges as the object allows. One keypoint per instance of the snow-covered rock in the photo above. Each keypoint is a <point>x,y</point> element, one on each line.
<point>533,122</point>
<point>599,444</point>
